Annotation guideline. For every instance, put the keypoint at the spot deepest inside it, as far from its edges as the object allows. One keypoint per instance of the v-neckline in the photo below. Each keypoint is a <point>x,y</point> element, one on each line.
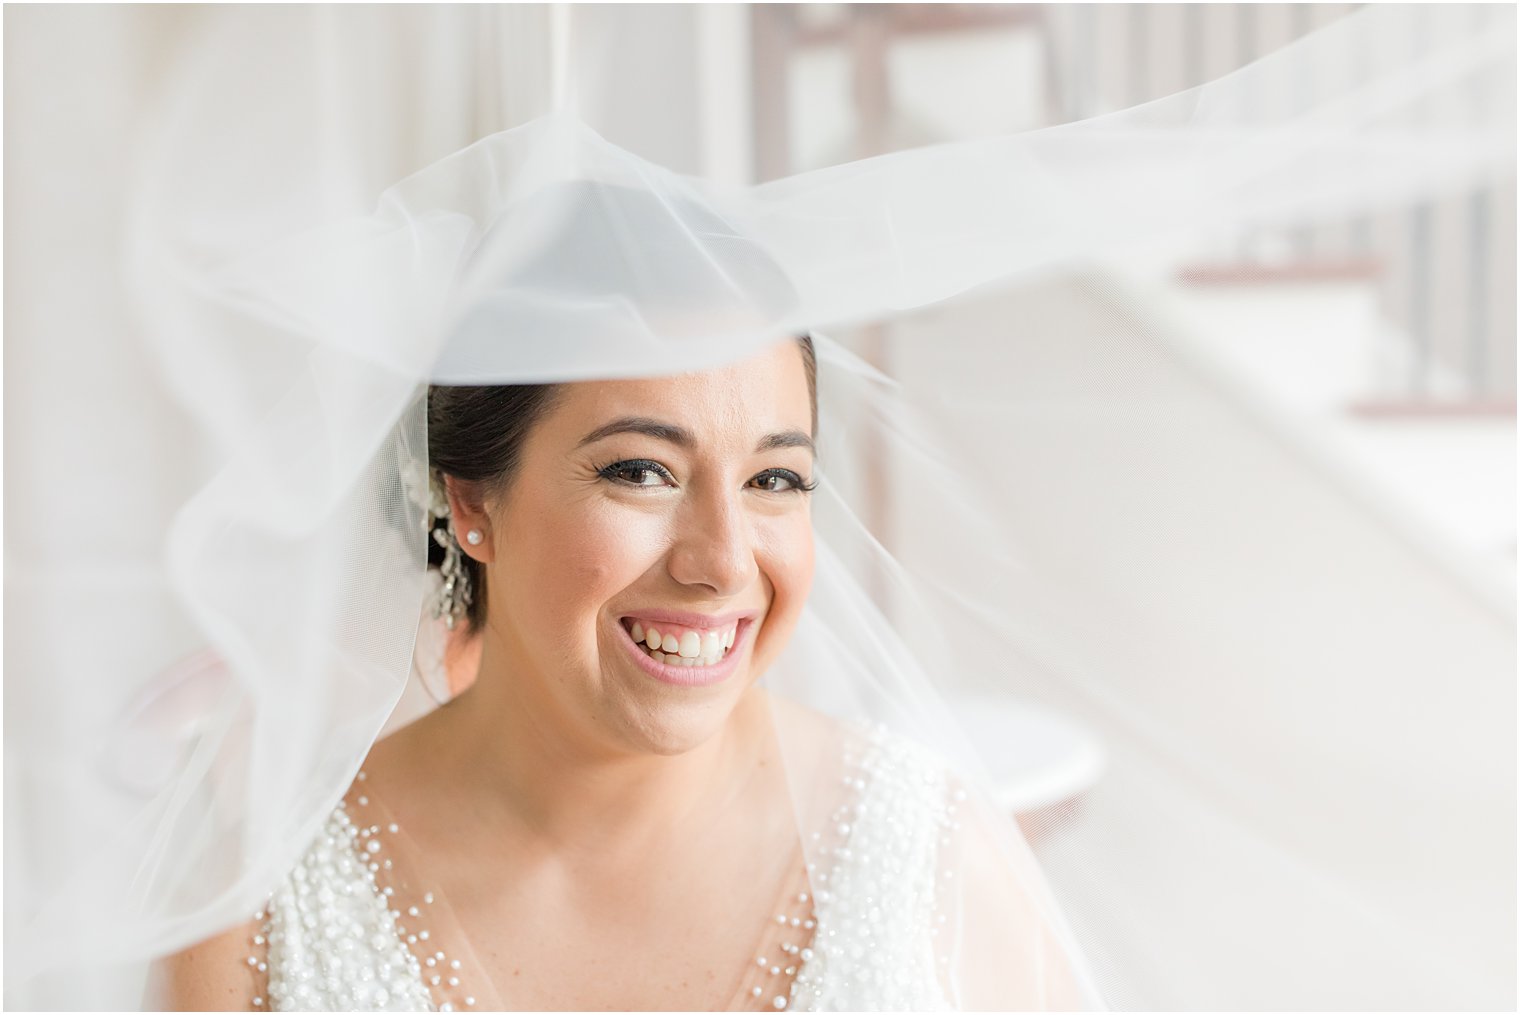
<point>784,946</point>
<point>786,933</point>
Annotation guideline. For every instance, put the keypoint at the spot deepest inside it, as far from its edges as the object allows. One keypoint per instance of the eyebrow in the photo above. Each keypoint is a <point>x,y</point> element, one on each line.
<point>683,438</point>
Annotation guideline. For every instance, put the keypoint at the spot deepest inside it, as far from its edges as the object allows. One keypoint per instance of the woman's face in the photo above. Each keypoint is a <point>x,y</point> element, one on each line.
<point>666,508</point>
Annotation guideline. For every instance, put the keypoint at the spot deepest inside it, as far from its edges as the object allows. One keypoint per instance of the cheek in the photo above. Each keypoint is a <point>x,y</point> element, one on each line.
<point>788,563</point>
<point>582,556</point>
<point>595,564</point>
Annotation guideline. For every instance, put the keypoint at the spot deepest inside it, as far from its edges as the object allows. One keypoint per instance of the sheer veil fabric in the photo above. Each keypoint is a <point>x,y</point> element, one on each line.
<point>301,328</point>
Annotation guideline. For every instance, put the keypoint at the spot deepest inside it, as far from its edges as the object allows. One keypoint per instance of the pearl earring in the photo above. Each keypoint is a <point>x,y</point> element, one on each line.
<point>473,537</point>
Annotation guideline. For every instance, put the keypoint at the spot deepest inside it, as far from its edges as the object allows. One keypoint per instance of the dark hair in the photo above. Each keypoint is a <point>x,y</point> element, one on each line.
<point>476,434</point>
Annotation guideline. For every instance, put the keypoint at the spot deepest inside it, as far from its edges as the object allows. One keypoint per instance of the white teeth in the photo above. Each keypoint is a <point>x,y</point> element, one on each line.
<point>688,648</point>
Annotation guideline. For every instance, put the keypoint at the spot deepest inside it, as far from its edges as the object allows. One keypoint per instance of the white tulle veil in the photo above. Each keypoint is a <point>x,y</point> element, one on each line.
<point>301,335</point>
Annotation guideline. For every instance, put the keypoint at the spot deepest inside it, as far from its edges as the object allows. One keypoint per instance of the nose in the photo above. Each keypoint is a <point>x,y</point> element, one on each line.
<point>714,546</point>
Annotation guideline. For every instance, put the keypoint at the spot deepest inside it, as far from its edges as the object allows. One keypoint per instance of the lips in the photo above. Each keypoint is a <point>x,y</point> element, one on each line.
<point>689,670</point>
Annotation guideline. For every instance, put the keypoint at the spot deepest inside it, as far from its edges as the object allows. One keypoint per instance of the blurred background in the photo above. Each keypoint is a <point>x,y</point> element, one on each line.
<point>1267,480</point>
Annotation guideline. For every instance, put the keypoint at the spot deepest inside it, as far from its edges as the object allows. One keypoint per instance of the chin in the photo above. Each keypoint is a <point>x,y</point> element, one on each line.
<point>670,729</point>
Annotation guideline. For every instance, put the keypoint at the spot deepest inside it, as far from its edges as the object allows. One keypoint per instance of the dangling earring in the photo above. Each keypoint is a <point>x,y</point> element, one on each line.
<point>455,596</point>
<point>425,487</point>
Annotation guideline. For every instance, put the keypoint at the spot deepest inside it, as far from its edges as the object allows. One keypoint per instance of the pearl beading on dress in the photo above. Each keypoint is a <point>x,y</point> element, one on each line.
<point>331,940</point>
<point>876,901</point>
<point>777,970</point>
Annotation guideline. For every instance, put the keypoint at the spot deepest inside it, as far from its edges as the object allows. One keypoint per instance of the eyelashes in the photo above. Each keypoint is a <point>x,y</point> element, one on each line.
<point>798,485</point>
<point>618,472</point>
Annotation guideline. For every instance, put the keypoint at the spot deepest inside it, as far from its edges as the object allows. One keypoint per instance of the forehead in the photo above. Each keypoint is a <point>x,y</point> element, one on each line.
<point>731,403</point>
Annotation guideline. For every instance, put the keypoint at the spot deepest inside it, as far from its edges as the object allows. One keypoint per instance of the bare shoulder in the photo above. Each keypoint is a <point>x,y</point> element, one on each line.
<point>212,975</point>
<point>816,737</point>
<point>400,761</point>
<point>809,735</point>
<point>830,747</point>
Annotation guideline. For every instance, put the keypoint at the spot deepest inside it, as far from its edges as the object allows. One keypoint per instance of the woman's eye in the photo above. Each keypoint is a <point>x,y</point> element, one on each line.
<point>649,475</point>
<point>636,473</point>
<point>781,481</point>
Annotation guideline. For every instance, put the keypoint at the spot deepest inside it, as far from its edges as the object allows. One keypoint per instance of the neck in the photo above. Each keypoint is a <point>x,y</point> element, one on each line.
<point>513,749</point>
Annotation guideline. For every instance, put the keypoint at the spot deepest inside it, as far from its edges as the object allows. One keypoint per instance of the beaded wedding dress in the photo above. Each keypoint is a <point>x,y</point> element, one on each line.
<point>355,926</point>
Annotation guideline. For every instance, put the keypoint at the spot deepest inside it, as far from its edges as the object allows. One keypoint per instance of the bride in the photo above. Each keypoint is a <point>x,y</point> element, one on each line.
<point>779,824</point>
<point>598,823</point>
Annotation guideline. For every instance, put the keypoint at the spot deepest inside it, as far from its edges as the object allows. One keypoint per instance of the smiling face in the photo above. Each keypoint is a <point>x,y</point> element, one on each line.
<point>667,508</point>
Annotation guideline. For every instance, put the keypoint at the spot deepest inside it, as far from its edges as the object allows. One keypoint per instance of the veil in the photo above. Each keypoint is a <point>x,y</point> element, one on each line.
<point>300,323</point>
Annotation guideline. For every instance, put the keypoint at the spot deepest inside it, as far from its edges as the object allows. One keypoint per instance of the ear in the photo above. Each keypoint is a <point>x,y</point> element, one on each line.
<point>467,510</point>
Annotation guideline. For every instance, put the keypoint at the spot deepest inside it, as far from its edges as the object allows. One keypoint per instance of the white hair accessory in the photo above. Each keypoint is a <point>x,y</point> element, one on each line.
<point>425,488</point>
